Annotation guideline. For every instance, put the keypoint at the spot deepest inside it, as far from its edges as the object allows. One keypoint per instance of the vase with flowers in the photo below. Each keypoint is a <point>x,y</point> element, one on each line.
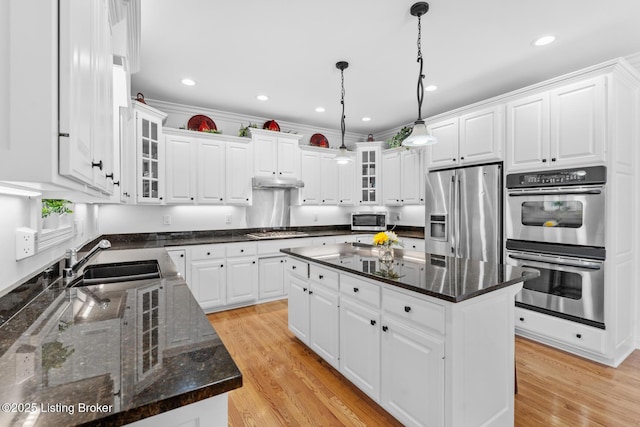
<point>385,240</point>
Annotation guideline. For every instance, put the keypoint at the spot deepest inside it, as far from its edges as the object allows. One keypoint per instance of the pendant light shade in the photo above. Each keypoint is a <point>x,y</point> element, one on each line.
<point>343,156</point>
<point>419,136</point>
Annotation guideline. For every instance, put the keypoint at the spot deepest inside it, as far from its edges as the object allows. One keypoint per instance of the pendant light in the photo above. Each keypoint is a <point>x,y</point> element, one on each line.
<point>419,136</point>
<point>343,155</point>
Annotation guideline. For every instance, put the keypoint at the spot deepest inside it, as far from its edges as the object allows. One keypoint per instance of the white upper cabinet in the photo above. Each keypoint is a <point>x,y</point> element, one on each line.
<point>402,176</point>
<point>210,172</point>
<point>473,137</point>
<point>180,178</point>
<point>239,166</point>
<point>311,176</point>
<point>276,154</point>
<point>561,127</point>
<point>328,179</point>
<point>346,184</point>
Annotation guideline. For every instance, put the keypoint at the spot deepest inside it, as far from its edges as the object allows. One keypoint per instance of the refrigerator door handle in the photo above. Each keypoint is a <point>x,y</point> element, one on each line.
<point>452,216</point>
<point>458,214</point>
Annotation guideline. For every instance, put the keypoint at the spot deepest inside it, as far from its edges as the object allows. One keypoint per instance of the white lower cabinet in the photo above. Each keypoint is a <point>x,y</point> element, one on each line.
<point>298,301</point>
<point>242,280</point>
<point>412,370</point>
<point>271,277</point>
<point>208,282</point>
<point>323,322</point>
<point>360,346</point>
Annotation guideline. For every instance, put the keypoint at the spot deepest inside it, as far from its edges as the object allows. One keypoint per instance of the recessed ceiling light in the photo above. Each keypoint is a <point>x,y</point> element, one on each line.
<point>544,40</point>
<point>320,109</point>
<point>262,97</point>
<point>431,88</point>
<point>366,119</point>
<point>188,82</point>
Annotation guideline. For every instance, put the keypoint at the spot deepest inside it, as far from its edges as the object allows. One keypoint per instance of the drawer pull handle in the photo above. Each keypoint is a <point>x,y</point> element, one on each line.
<point>304,289</point>
<point>407,309</point>
<point>320,276</point>
<point>579,336</point>
<point>385,328</point>
<point>310,292</point>
<point>355,289</point>
<point>522,319</point>
<point>373,322</point>
<point>293,267</point>
<point>253,262</point>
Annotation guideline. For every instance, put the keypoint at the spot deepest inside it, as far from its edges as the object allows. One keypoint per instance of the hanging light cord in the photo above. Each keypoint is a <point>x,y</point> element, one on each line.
<point>420,76</point>
<point>342,124</point>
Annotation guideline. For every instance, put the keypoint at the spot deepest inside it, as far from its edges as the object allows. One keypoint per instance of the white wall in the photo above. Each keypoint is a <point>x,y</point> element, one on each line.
<point>18,211</point>
<point>4,73</point>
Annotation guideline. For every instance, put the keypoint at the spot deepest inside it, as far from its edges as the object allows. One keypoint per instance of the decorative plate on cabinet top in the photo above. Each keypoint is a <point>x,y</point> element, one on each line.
<point>271,125</point>
<point>201,123</point>
<point>319,140</point>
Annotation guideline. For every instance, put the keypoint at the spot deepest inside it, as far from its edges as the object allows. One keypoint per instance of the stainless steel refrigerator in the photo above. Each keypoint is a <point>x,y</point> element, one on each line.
<point>464,212</point>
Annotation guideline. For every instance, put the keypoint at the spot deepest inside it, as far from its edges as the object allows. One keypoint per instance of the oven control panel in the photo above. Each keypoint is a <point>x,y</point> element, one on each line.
<point>577,176</point>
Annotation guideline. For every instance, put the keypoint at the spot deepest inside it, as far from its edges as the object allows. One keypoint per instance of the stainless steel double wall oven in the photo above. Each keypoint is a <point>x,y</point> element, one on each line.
<point>556,224</point>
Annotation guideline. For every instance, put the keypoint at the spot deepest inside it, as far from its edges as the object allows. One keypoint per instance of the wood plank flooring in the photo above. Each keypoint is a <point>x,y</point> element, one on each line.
<point>286,384</point>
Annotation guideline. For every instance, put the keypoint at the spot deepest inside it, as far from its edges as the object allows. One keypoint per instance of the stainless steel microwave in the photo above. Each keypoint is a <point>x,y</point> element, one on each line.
<point>369,221</point>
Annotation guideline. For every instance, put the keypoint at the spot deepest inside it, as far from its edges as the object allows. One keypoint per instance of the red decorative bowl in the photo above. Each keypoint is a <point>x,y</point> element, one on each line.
<point>319,140</point>
<point>201,123</point>
<point>271,125</point>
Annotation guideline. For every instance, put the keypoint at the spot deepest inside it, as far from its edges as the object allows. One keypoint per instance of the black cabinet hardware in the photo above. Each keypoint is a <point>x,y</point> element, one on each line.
<point>407,309</point>
<point>97,164</point>
<point>385,328</point>
<point>579,336</point>
<point>544,160</point>
<point>522,319</point>
<point>109,175</point>
<point>304,289</point>
<point>355,289</point>
<point>320,276</point>
<point>373,323</point>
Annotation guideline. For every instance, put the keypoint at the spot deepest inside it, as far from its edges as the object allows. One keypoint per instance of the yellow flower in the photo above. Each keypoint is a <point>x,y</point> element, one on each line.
<point>380,238</point>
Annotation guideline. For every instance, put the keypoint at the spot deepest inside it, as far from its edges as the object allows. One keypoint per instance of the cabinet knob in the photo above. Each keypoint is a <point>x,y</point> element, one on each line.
<point>385,328</point>
<point>579,336</point>
<point>253,262</point>
<point>280,173</point>
<point>553,159</point>
<point>97,164</point>
<point>544,160</point>
<point>160,198</point>
<point>355,289</point>
<point>208,253</point>
<point>522,319</point>
<point>221,265</point>
<point>273,173</point>
<point>293,267</point>
<point>181,255</point>
<point>191,198</point>
<point>304,289</point>
<point>247,199</point>
<point>454,160</point>
<point>281,260</point>
<point>241,250</point>
<point>407,309</point>
<point>320,276</point>
<point>310,292</point>
<point>373,322</point>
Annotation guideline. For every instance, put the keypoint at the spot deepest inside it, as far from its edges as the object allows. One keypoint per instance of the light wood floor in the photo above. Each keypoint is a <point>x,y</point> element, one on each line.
<point>286,384</point>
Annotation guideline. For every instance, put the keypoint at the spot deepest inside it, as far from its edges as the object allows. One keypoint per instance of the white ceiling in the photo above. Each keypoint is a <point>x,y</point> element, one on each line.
<point>287,49</point>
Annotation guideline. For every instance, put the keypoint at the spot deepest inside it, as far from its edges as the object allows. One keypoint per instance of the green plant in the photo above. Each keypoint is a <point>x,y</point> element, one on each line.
<point>244,130</point>
<point>51,206</point>
<point>396,140</point>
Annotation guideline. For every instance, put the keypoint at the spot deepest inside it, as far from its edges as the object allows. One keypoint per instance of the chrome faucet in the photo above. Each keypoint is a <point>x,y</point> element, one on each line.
<point>71,262</point>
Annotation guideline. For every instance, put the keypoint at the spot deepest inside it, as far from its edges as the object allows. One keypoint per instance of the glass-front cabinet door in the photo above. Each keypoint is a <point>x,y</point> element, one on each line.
<point>150,167</point>
<point>369,157</point>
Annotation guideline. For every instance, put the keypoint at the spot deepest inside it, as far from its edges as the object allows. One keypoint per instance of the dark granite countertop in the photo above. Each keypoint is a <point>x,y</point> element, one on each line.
<point>186,238</point>
<point>136,349</point>
<point>447,278</point>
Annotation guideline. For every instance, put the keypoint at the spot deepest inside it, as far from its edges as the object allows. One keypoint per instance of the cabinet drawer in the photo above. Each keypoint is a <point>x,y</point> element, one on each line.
<point>241,249</point>
<point>565,331</point>
<point>360,290</point>
<point>324,276</point>
<point>273,247</point>
<point>297,267</point>
<point>207,252</point>
<point>420,313</point>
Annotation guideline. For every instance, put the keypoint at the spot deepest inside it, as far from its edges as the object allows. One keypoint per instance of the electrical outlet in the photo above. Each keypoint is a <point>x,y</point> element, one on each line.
<point>25,242</point>
<point>398,217</point>
<point>227,219</point>
<point>166,219</point>
<point>25,363</point>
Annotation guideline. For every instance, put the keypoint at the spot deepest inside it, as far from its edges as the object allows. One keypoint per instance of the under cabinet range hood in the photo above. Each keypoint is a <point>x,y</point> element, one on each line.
<point>263,183</point>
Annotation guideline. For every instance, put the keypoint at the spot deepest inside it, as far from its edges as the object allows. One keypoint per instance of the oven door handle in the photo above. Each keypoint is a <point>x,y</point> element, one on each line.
<point>584,265</point>
<point>555,193</point>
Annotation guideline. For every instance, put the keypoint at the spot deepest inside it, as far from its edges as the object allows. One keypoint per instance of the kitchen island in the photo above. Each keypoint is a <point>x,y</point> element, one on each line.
<point>430,338</point>
<point>137,351</point>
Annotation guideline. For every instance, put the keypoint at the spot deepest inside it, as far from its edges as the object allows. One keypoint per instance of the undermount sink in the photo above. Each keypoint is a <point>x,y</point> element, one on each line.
<point>120,272</point>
